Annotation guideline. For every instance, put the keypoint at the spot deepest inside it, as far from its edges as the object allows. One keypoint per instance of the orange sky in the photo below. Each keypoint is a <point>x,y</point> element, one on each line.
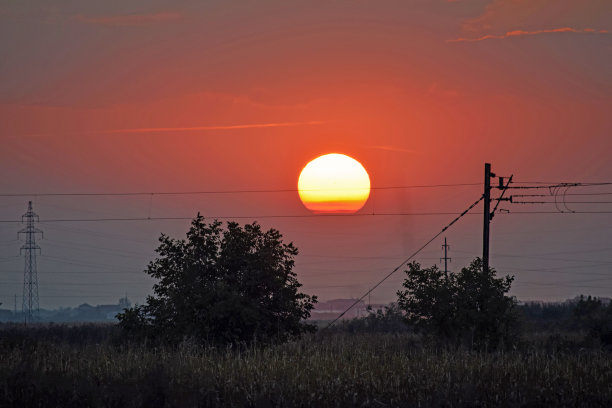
<point>160,97</point>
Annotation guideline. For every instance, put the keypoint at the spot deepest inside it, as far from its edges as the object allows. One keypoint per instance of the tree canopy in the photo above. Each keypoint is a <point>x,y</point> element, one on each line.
<point>469,307</point>
<point>223,285</point>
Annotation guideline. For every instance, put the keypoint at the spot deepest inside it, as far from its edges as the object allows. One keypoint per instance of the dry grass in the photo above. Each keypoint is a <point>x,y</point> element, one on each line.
<point>333,370</point>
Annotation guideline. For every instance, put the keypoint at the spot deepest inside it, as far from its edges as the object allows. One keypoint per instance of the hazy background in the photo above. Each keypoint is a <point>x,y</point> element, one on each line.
<point>420,92</point>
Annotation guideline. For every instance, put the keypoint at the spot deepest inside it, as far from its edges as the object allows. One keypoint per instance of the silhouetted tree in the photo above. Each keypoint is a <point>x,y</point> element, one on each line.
<point>469,307</point>
<point>546,316</point>
<point>591,315</point>
<point>223,285</point>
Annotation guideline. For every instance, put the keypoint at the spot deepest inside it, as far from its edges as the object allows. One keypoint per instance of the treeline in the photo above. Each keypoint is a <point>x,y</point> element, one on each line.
<point>587,316</point>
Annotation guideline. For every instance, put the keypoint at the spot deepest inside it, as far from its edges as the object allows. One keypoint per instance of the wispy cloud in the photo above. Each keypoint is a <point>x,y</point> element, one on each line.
<point>181,129</point>
<point>393,149</point>
<point>520,33</point>
<point>436,91</point>
<point>222,127</point>
<point>129,19</point>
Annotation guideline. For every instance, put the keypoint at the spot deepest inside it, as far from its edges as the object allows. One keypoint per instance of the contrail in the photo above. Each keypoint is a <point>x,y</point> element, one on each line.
<point>220,127</point>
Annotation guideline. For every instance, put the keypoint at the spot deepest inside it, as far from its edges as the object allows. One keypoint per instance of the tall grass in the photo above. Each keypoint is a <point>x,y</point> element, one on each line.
<point>323,370</point>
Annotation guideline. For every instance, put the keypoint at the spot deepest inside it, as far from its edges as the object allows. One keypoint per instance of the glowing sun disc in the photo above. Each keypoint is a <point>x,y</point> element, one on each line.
<point>334,183</point>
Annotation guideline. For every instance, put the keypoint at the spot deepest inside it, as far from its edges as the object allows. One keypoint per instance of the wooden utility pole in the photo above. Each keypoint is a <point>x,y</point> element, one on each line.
<point>487,217</point>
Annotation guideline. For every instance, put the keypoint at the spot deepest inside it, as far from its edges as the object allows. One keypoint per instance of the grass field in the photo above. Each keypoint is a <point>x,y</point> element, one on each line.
<point>85,367</point>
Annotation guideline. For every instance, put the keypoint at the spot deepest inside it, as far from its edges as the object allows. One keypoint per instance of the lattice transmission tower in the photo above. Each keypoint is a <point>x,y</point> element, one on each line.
<point>30,305</point>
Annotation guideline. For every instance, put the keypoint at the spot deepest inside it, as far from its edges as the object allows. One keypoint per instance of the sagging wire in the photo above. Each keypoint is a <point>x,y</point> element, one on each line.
<point>405,261</point>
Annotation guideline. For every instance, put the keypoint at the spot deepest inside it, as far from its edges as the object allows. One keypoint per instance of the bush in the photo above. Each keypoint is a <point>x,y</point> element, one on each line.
<point>592,316</point>
<point>390,319</point>
<point>469,308</point>
<point>222,286</point>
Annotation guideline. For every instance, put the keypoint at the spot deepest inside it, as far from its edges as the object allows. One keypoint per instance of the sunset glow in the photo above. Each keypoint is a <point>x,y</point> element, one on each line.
<point>230,101</point>
<point>334,183</point>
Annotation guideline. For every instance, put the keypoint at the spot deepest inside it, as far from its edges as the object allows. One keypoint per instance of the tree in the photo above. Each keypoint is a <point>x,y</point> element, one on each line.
<point>470,307</point>
<point>593,316</point>
<point>223,285</point>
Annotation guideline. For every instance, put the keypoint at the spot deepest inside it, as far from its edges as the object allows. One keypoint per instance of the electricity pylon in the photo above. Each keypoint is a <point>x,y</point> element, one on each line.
<point>30,305</point>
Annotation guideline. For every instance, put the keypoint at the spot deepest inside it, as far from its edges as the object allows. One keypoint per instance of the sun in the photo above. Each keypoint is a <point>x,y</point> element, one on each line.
<point>334,183</point>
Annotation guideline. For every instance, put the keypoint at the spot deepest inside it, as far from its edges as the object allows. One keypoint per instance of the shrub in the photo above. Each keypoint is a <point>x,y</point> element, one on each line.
<point>469,307</point>
<point>222,286</point>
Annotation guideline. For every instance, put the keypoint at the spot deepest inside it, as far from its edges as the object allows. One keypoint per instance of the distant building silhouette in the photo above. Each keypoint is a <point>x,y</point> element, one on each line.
<point>82,313</point>
<point>332,308</point>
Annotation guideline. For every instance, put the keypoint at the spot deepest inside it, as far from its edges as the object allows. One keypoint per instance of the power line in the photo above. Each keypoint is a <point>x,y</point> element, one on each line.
<point>543,185</point>
<point>559,185</point>
<point>246,191</point>
<point>406,260</point>
<point>584,251</point>
<point>562,269</point>
<point>561,202</point>
<point>508,212</point>
<point>588,183</point>
<point>101,250</point>
<point>96,233</point>
<point>79,296</point>
<point>543,258</point>
<point>88,273</point>
<point>298,216</point>
<point>239,217</point>
<point>79,263</point>
<point>567,194</point>
<point>561,285</point>
<point>51,284</point>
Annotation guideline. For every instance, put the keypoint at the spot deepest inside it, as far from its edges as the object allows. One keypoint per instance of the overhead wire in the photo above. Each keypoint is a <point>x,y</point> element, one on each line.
<point>541,185</point>
<point>559,285</point>
<point>52,258</point>
<point>406,260</point>
<point>566,202</point>
<point>224,217</point>
<point>239,191</point>
<point>295,216</point>
<point>568,194</point>
<point>559,185</point>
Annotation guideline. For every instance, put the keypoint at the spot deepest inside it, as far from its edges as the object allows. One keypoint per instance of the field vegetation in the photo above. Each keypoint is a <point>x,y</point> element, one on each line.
<point>354,364</point>
<point>227,326</point>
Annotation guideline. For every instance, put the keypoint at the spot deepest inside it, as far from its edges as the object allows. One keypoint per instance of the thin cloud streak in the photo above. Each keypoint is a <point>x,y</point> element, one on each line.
<point>226,127</point>
<point>520,33</point>
<point>393,149</point>
<point>129,19</point>
<point>182,129</point>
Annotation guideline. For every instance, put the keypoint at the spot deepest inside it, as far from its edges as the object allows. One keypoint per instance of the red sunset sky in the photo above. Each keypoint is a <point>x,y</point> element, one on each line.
<point>161,96</point>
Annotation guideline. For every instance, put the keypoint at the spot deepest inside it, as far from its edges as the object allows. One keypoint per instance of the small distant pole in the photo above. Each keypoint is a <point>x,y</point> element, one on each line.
<point>446,247</point>
<point>15,307</point>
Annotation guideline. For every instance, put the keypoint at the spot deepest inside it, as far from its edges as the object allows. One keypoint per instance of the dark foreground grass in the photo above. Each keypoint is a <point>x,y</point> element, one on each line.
<point>324,370</point>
